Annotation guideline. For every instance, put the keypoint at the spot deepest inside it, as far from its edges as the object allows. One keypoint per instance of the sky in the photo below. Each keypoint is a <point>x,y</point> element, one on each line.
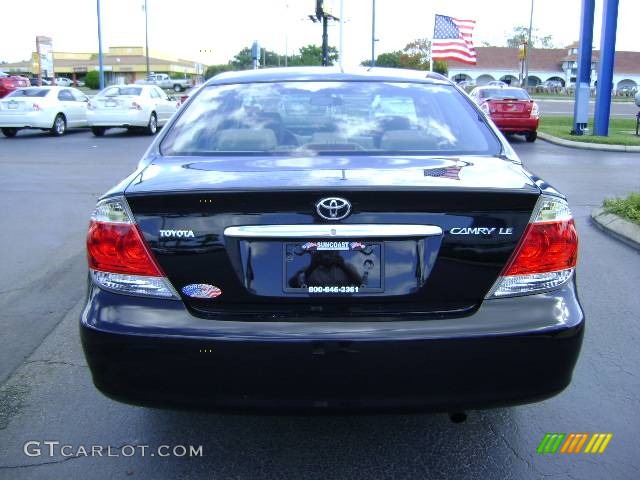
<point>188,28</point>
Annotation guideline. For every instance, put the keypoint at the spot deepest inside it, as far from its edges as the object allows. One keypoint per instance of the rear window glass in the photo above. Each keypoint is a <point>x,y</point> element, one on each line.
<point>504,93</point>
<point>117,91</point>
<point>327,117</point>
<point>29,92</point>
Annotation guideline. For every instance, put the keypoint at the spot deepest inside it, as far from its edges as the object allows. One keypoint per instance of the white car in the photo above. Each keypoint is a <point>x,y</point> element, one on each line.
<point>130,106</point>
<point>64,82</point>
<point>47,108</point>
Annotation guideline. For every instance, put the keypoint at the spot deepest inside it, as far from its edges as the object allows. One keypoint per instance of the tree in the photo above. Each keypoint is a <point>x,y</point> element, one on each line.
<point>92,80</point>
<point>213,70</point>
<point>243,60</point>
<point>520,34</point>
<point>415,55</point>
<point>312,55</point>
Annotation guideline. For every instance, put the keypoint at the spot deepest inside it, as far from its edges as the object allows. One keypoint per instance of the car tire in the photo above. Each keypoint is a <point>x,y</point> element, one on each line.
<point>531,136</point>
<point>59,126</point>
<point>177,88</point>
<point>152,126</point>
<point>9,132</point>
<point>98,131</point>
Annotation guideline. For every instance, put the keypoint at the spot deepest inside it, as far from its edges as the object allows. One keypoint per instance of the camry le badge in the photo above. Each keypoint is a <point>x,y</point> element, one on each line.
<point>333,208</point>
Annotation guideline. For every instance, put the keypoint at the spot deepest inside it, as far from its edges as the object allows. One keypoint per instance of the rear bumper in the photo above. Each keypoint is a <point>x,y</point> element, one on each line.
<point>516,125</point>
<point>511,351</point>
<point>130,118</point>
<point>26,120</point>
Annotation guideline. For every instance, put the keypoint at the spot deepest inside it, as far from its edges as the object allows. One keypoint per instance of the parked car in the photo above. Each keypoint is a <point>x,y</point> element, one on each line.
<point>130,106</point>
<point>510,108</point>
<point>497,83</point>
<point>464,84</point>
<point>322,257</point>
<point>46,108</point>
<point>163,80</point>
<point>8,83</point>
<point>64,82</point>
<point>552,84</point>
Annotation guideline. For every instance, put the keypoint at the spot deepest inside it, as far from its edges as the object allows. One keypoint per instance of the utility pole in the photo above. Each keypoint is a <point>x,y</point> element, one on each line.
<point>373,33</point>
<point>100,59</point>
<point>146,36</point>
<point>528,50</point>
<point>341,44</point>
<point>323,17</point>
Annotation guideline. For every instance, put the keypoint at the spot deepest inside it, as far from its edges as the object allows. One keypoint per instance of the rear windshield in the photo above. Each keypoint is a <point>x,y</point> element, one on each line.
<point>328,117</point>
<point>116,91</point>
<point>503,94</point>
<point>29,92</point>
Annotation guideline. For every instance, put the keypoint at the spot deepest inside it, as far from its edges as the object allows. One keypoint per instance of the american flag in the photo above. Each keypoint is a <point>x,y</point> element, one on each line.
<point>452,40</point>
<point>445,172</point>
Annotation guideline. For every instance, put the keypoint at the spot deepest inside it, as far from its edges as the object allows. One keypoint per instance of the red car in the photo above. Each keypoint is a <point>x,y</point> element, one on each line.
<point>10,82</point>
<point>510,108</point>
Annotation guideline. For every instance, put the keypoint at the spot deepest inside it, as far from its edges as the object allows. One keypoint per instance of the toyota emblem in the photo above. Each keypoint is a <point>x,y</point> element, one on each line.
<point>333,208</point>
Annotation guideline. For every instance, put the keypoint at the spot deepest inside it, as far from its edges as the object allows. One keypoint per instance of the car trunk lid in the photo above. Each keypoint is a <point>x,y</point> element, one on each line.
<point>510,108</point>
<point>425,236</point>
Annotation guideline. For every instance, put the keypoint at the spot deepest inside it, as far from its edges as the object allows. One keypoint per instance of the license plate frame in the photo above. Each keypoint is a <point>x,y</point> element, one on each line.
<point>345,257</point>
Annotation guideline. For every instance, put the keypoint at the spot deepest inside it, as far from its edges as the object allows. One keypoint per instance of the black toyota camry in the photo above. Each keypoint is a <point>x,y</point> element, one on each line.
<point>321,239</point>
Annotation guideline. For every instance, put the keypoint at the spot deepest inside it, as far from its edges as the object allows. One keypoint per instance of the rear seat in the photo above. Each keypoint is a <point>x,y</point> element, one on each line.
<point>408,140</point>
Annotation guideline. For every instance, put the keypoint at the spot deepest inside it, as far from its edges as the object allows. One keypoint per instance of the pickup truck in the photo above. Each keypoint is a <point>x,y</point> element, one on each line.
<point>163,80</point>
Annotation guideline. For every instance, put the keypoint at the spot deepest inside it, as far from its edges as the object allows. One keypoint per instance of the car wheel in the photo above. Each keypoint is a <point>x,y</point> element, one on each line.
<point>152,126</point>
<point>59,125</point>
<point>531,136</point>
<point>10,132</point>
<point>177,88</point>
<point>98,131</point>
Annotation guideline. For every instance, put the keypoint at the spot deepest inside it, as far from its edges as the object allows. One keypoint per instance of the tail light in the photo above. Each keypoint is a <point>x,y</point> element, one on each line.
<point>36,107</point>
<point>535,110</point>
<point>91,106</point>
<point>119,259</point>
<point>547,254</point>
<point>135,106</point>
<point>485,107</point>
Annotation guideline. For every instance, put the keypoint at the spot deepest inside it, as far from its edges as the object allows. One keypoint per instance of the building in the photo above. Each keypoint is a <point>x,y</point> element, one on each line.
<point>559,64</point>
<point>121,65</point>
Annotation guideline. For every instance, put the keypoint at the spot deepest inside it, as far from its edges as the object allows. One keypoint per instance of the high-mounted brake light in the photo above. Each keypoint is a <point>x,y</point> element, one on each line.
<point>118,257</point>
<point>547,254</point>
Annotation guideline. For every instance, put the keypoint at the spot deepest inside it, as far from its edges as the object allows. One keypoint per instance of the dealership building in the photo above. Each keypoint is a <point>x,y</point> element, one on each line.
<point>121,65</point>
<point>559,64</point>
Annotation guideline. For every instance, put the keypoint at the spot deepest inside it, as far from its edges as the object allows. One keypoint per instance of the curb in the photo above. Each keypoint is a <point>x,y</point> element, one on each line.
<point>587,146</point>
<point>624,230</point>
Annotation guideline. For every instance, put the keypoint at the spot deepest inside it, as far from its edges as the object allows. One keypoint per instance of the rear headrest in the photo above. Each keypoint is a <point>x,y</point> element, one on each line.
<point>246,140</point>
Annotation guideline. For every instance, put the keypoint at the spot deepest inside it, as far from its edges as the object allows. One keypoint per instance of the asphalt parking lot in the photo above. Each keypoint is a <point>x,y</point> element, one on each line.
<point>48,187</point>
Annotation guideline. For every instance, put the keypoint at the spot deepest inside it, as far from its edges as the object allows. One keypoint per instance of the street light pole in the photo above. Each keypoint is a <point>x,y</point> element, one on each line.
<point>146,37</point>
<point>528,50</point>
<point>100,60</point>
<point>373,33</point>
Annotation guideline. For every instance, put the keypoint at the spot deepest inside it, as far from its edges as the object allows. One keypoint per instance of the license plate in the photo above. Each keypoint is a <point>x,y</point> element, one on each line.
<point>12,105</point>
<point>110,103</point>
<point>333,267</point>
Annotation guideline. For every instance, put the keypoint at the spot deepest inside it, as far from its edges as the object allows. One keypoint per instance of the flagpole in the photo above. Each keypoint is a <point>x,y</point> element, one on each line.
<point>431,46</point>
